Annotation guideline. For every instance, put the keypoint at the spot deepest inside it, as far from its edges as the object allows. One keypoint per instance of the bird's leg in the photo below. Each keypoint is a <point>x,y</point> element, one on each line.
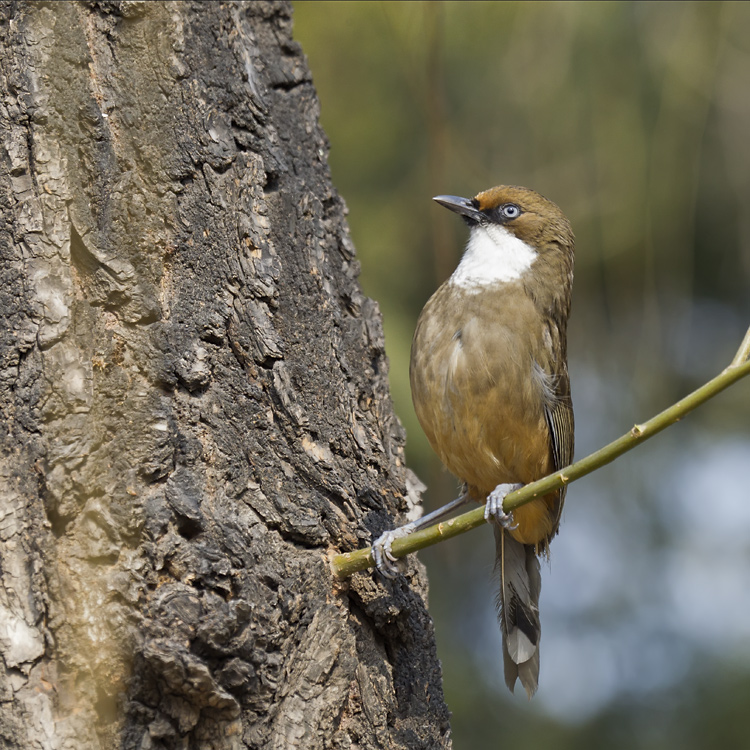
<point>493,510</point>
<point>385,562</point>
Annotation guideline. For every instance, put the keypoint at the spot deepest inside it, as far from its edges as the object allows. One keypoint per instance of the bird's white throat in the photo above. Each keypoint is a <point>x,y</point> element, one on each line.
<point>492,254</point>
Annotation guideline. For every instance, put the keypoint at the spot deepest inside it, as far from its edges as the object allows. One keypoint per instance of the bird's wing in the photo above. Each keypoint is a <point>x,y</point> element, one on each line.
<point>559,415</point>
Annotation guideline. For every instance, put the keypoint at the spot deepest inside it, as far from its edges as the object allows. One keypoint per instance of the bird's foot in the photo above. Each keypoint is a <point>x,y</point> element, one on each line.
<point>385,562</point>
<point>493,510</point>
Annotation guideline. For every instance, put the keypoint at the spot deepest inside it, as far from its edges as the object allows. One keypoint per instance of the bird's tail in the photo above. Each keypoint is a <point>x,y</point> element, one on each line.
<point>518,610</point>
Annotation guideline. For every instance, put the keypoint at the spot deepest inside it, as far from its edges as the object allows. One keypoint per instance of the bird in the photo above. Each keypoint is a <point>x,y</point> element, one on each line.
<point>490,387</point>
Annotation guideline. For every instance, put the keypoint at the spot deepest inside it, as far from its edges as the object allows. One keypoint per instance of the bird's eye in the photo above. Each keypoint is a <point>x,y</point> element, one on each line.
<point>510,211</point>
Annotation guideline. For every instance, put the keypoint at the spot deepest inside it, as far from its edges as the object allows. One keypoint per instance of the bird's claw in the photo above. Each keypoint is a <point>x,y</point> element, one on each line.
<point>385,562</point>
<point>493,510</point>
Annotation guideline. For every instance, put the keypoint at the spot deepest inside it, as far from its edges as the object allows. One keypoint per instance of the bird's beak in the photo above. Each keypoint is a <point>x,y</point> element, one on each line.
<point>463,206</point>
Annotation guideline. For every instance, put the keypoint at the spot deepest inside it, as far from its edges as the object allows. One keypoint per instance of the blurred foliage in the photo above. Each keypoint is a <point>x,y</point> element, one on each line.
<point>634,118</point>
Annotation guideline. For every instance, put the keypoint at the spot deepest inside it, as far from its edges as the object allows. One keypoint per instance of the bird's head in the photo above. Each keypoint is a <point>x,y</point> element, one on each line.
<point>510,228</point>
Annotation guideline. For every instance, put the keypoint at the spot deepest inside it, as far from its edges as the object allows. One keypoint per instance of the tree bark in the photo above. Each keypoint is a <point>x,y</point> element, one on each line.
<point>194,400</point>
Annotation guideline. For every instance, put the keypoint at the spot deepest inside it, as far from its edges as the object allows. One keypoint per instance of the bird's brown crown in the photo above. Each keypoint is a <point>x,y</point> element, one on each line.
<point>540,221</point>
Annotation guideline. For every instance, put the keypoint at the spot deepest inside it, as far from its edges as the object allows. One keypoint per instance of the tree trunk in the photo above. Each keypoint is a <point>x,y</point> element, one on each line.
<point>194,400</point>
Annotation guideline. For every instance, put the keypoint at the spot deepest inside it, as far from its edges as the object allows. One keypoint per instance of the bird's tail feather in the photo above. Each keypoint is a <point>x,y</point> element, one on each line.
<point>518,610</point>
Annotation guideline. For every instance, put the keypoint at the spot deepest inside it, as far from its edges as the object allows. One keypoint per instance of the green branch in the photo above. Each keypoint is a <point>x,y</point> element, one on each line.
<point>350,562</point>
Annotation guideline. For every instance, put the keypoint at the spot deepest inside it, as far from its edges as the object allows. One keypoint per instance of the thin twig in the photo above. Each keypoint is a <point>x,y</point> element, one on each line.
<point>743,352</point>
<point>350,562</point>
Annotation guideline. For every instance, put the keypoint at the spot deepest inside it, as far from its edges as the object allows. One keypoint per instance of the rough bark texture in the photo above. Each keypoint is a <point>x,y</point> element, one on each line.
<point>194,400</point>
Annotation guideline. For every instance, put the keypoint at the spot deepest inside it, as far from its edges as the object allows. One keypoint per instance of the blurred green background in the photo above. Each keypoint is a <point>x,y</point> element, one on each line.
<point>635,118</point>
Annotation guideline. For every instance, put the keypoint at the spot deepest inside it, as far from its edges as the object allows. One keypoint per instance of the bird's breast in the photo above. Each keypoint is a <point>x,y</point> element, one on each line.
<point>475,385</point>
